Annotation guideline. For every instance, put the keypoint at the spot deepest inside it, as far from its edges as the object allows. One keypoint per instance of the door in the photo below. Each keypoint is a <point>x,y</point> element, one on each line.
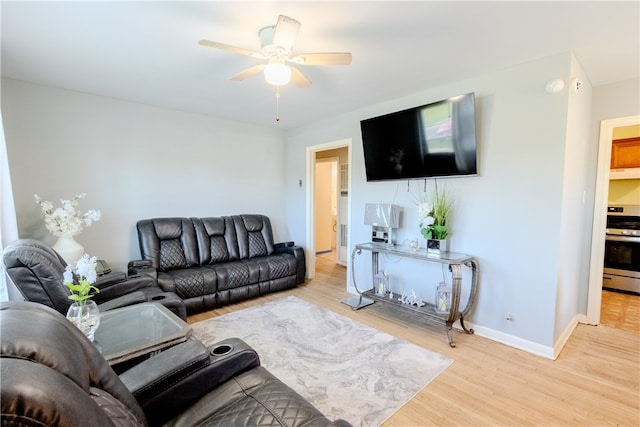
<point>325,202</point>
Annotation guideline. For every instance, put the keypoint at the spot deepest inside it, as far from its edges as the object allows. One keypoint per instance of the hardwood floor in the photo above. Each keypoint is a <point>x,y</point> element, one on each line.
<point>620,310</point>
<point>594,381</point>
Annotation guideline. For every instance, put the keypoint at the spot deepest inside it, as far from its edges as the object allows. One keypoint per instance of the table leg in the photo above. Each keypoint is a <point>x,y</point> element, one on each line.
<point>454,313</point>
<point>448,328</point>
<point>356,302</point>
<point>473,265</point>
<point>374,268</point>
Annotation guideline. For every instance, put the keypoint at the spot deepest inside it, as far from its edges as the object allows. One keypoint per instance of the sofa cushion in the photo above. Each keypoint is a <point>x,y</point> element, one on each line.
<point>236,274</point>
<point>172,255</point>
<point>281,266</point>
<point>189,282</point>
<point>217,240</point>
<point>169,243</point>
<point>254,235</point>
<point>273,266</point>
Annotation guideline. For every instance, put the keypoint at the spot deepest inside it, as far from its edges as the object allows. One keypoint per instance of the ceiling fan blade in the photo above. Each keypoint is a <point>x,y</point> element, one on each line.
<point>299,79</point>
<point>286,32</point>
<point>327,58</point>
<point>248,72</point>
<point>229,48</point>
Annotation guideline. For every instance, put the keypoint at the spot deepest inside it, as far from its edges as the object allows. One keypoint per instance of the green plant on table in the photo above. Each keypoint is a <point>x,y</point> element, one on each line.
<point>79,281</point>
<point>434,215</point>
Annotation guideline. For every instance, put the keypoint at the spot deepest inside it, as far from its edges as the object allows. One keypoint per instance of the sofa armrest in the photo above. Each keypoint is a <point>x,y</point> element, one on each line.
<point>298,253</point>
<point>167,383</point>
<point>109,279</point>
<point>141,267</point>
<point>284,245</point>
<point>132,298</point>
<point>118,284</point>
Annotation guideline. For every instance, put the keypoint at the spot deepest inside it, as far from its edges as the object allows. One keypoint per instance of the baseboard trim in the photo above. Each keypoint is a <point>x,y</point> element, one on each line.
<point>510,340</point>
<point>547,352</point>
<point>566,334</point>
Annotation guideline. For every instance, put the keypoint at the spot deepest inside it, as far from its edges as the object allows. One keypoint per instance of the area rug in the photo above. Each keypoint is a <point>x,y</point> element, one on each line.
<point>344,368</point>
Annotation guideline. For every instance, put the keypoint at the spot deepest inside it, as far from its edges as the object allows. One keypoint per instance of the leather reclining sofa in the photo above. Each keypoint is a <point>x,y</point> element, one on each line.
<point>37,271</point>
<point>214,261</point>
<point>52,375</point>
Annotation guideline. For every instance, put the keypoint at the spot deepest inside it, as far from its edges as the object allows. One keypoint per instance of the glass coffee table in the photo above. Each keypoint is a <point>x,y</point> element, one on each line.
<point>138,331</point>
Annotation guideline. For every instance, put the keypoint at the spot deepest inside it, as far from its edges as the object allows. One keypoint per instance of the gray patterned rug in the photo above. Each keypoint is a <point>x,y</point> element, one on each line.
<point>344,368</point>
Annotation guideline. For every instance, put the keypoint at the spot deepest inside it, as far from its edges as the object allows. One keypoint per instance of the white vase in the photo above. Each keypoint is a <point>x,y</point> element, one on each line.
<point>437,246</point>
<point>70,250</point>
<point>85,316</point>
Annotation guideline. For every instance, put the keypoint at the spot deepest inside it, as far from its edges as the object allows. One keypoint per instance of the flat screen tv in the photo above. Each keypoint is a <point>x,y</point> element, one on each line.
<point>432,140</point>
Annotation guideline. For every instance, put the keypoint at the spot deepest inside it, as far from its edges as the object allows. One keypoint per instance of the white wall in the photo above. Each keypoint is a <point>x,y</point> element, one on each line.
<point>615,100</point>
<point>509,216</point>
<point>134,161</point>
<point>577,206</point>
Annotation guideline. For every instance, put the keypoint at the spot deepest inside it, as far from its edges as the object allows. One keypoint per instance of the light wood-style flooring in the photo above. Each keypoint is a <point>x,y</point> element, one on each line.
<point>594,381</point>
<point>620,310</point>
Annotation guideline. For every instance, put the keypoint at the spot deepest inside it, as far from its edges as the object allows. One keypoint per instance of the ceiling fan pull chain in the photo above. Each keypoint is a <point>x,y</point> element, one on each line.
<point>277,103</point>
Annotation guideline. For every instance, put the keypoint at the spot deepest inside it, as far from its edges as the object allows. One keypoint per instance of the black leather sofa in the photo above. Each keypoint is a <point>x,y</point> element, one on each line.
<point>209,262</point>
<point>36,270</point>
<point>51,375</point>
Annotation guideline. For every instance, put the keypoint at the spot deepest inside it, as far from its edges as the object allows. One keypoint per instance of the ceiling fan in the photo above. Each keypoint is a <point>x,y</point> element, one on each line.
<point>276,47</point>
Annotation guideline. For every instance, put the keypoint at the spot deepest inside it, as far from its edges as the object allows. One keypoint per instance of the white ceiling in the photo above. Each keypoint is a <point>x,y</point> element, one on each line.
<point>147,52</point>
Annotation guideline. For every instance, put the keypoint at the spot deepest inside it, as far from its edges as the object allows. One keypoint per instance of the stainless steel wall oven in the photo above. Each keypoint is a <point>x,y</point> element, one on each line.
<point>622,249</point>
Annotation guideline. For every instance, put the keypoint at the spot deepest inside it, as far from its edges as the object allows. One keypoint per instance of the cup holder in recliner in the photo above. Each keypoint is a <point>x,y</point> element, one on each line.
<point>221,350</point>
<point>158,297</point>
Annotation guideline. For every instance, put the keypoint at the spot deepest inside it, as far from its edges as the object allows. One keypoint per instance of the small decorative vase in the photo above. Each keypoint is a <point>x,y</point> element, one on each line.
<point>436,246</point>
<point>85,316</point>
<point>70,250</point>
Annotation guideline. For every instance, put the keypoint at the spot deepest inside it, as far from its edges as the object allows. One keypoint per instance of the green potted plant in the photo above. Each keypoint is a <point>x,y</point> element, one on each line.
<point>83,312</point>
<point>434,221</point>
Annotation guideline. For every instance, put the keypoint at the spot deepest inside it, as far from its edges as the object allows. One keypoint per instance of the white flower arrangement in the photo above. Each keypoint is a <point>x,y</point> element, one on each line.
<point>79,280</point>
<point>434,216</point>
<point>66,220</point>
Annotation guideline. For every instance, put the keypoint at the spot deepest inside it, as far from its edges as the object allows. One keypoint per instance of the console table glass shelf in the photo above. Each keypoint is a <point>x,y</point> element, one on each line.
<point>455,261</point>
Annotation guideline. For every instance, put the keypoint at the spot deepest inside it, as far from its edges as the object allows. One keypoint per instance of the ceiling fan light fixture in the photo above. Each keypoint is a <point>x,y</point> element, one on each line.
<point>277,74</point>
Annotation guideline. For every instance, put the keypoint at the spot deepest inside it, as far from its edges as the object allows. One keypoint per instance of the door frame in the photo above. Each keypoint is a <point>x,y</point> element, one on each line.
<point>601,198</point>
<point>310,205</point>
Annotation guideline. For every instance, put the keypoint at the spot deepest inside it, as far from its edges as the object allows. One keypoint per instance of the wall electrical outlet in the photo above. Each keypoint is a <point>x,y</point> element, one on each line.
<point>509,317</point>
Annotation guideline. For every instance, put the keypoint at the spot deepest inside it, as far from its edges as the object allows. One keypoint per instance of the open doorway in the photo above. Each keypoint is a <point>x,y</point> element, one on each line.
<point>328,202</point>
<point>594,303</point>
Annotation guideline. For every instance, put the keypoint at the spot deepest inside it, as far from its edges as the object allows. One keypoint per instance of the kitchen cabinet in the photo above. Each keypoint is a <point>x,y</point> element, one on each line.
<point>625,158</point>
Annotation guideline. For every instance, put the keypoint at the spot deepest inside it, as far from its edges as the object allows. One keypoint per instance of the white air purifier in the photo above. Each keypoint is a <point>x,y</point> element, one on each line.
<point>383,218</point>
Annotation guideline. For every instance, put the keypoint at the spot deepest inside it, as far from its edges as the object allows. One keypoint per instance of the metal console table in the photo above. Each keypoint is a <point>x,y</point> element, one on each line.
<point>454,260</point>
